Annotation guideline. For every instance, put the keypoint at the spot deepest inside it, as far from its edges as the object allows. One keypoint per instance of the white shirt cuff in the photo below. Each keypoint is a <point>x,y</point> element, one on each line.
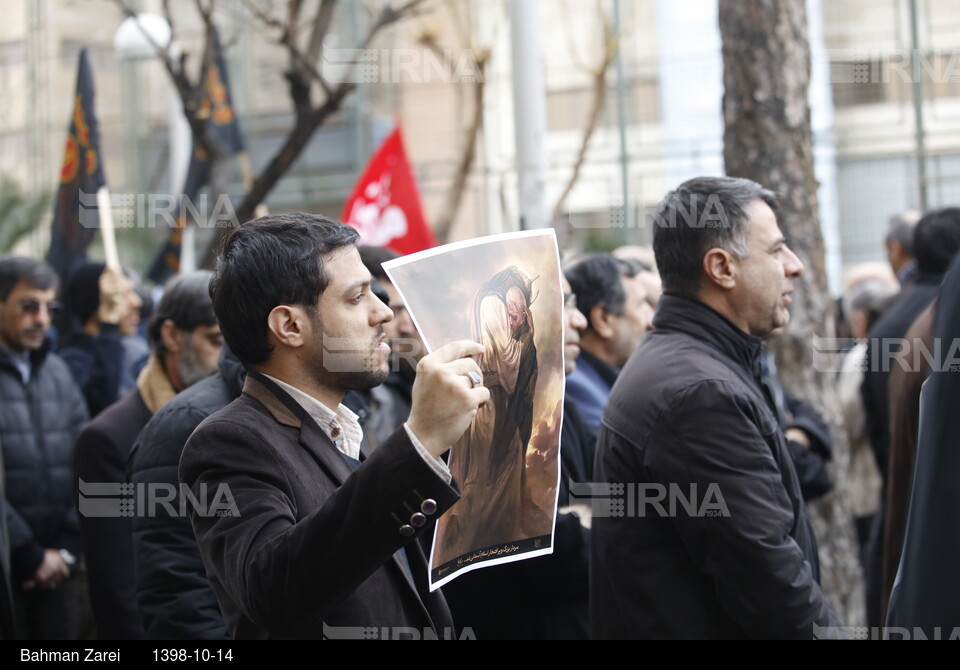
<point>436,463</point>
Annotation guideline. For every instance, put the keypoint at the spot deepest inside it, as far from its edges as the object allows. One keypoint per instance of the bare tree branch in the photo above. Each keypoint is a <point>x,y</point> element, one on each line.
<point>304,127</point>
<point>189,92</point>
<point>321,25</point>
<point>444,221</point>
<point>301,65</point>
<point>610,47</point>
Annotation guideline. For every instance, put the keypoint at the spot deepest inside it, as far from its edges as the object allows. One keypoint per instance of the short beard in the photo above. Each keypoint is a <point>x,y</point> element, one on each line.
<point>187,367</point>
<point>365,375</point>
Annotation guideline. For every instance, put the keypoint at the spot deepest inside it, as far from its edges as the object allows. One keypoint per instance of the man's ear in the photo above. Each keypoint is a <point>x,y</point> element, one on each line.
<point>171,336</point>
<point>602,321</point>
<point>721,268</point>
<point>288,325</point>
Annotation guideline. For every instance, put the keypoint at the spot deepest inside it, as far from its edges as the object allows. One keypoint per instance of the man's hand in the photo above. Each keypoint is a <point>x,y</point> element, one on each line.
<point>444,399</point>
<point>583,512</point>
<point>114,289</point>
<point>798,435</point>
<point>53,570</point>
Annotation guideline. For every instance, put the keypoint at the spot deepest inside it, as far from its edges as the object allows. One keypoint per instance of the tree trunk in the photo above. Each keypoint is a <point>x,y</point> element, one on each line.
<point>768,138</point>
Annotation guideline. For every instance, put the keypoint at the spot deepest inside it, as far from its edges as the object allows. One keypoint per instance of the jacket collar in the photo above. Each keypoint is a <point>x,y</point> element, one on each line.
<point>697,319</point>
<point>288,412</point>
<point>37,356</point>
<point>608,373</point>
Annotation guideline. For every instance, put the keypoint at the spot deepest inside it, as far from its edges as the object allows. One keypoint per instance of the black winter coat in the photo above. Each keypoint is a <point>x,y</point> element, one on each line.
<point>175,597</point>
<point>687,420</point>
<point>39,423</point>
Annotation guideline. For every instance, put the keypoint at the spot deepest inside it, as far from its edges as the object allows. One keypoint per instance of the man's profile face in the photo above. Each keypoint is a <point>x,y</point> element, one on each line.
<point>25,317</point>
<point>765,284</point>
<point>201,354</point>
<point>573,322</point>
<point>635,320</point>
<point>130,316</point>
<point>349,349</point>
<point>405,342</point>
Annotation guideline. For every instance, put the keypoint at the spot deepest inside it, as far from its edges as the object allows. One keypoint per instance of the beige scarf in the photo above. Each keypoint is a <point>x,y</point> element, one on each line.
<point>154,386</point>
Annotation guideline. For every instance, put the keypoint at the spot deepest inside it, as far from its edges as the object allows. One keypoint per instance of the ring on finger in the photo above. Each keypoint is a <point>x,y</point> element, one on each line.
<point>475,379</point>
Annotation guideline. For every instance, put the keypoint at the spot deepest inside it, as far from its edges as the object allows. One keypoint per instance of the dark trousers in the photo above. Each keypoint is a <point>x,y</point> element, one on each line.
<point>47,614</point>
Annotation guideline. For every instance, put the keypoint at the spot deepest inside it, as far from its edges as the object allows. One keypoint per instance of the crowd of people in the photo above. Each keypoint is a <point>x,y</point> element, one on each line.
<point>200,469</point>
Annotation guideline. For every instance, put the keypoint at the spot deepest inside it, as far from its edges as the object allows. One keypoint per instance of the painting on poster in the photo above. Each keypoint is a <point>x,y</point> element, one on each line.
<point>503,291</point>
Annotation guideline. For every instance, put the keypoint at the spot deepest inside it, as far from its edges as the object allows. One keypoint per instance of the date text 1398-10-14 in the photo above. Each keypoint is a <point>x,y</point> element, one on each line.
<point>164,655</point>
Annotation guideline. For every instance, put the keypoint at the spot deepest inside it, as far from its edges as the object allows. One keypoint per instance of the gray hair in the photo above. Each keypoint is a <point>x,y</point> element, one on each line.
<point>871,297</point>
<point>900,229</point>
<point>699,215</point>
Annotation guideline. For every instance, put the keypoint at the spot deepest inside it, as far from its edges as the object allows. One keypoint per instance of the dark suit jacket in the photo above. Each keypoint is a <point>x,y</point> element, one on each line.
<point>101,456</point>
<point>314,548</point>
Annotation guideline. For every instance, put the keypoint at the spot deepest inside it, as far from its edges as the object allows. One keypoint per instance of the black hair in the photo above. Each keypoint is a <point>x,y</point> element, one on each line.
<point>33,271</point>
<point>701,214</point>
<point>186,302</point>
<point>270,261</point>
<point>374,258</point>
<point>597,279</point>
<point>82,292</point>
<point>936,238</point>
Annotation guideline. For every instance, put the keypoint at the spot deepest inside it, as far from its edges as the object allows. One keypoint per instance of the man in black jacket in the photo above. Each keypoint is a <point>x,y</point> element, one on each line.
<point>187,340</point>
<point>713,540</point>
<point>174,595</point>
<point>41,412</point>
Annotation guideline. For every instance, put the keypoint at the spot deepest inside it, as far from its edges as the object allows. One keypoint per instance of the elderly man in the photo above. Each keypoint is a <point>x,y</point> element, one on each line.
<point>320,538</point>
<point>688,421</point>
<point>615,300</point>
<point>41,412</point>
<point>187,343</point>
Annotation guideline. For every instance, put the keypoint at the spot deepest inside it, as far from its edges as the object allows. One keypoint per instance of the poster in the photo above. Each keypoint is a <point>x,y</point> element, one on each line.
<point>503,291</point>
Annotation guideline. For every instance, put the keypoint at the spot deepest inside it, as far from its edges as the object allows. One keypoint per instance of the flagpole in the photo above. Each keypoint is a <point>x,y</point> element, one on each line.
<point>107,233</point>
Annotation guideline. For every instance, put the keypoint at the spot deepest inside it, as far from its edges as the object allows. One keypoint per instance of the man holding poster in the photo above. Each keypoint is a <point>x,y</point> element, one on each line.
<point>321,537</point>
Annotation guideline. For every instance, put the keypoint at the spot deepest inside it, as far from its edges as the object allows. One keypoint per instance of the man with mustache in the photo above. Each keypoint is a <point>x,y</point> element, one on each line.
<point>688,418</point>
<point>41,413</point>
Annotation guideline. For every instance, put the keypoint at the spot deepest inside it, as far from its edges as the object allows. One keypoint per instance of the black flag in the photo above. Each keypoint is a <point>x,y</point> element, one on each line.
<point>81,176</point>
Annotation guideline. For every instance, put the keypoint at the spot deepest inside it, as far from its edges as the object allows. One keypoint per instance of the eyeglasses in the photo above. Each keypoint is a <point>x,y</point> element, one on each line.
<point>32,307</point>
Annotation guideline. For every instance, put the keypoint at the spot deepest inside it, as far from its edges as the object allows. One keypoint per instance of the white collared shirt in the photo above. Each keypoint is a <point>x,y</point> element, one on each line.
<point>343,428</point>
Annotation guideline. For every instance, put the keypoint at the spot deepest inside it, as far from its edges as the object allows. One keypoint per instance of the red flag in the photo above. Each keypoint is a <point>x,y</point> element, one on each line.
<point>385,203</point>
